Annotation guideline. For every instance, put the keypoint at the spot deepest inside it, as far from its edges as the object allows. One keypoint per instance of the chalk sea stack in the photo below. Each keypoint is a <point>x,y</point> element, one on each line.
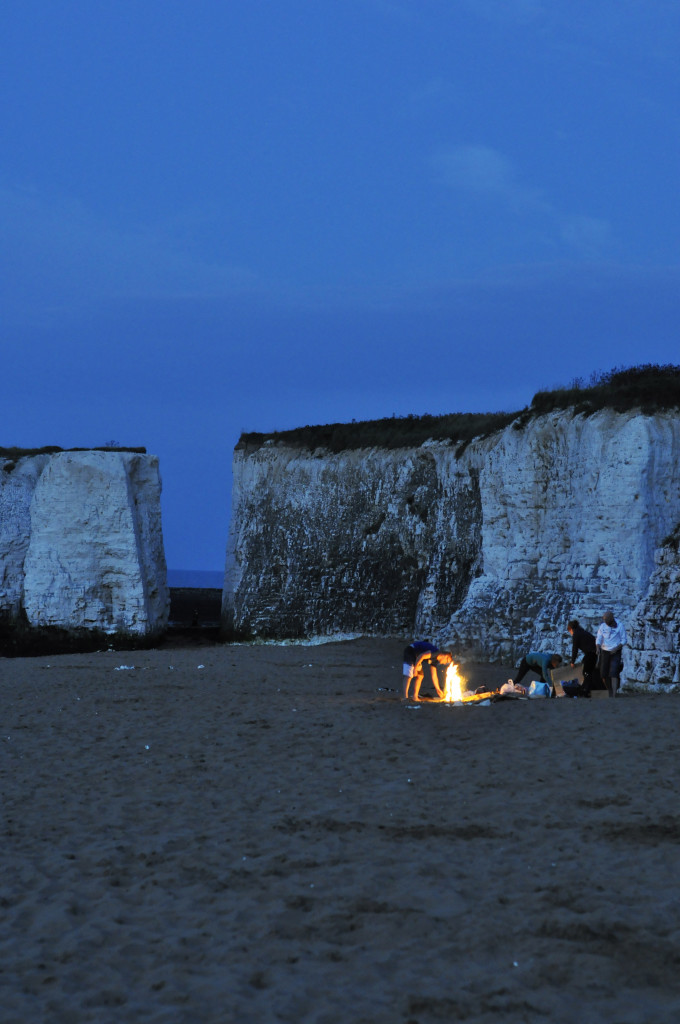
<point>81,544</point>
<point>485,532</point>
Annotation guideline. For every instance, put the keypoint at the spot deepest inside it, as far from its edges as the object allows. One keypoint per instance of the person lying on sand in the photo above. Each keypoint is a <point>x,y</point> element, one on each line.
<point>417,656</point>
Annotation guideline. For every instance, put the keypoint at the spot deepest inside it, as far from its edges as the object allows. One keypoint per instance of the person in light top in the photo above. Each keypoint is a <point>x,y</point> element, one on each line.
<point>611,636</point>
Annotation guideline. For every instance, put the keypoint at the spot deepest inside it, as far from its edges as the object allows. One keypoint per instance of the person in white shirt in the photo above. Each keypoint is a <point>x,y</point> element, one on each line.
<point>611,636</point>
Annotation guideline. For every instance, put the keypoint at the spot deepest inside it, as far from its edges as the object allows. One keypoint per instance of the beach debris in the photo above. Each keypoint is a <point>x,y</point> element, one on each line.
<point>510,687</point>
<point>146,746</point>
<point>124,668</point>
<point>200,666</point>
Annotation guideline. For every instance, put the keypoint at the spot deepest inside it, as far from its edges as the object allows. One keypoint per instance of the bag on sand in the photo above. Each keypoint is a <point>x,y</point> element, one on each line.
<point>538,690</point>
<point>575,689</point>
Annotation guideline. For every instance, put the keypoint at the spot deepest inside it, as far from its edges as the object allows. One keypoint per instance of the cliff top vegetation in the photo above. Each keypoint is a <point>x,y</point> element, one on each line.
<point>12,455</point>
<point>21,453</point>
<point>649,388</point>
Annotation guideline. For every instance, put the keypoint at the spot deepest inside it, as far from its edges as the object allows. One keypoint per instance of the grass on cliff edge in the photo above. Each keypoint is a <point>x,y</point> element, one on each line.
<point>649,388</point>
<point>53,449</point>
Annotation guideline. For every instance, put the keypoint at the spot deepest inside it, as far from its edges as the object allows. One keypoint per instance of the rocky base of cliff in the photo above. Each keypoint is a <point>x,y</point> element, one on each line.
<point>21,641</point>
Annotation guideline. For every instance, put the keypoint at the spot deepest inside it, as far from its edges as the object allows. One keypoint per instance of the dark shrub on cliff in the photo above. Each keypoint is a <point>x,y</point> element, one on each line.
<point>391,432</point>
<point>22,453</point>
<point>650,388</point>
<point>647,387</point>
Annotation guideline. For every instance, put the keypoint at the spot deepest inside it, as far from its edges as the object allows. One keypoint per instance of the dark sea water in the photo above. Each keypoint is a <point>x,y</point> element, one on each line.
<point>195,578</point>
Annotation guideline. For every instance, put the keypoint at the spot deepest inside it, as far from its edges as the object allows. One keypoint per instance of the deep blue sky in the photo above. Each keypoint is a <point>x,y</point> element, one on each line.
<point>252,214</point>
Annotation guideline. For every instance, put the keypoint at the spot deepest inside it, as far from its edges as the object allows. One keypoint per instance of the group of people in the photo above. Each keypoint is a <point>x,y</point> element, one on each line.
<point>602,656</point>
<point>602,659</point>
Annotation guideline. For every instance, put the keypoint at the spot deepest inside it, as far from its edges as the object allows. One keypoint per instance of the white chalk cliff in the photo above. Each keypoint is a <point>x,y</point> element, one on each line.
<point>81,544</point>
<point>490,547</point>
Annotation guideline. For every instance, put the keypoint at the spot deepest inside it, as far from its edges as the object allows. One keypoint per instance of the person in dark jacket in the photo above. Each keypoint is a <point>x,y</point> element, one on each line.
<point>582,640</point>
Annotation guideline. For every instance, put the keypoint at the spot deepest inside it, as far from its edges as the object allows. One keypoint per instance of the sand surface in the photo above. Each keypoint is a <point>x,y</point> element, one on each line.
<point>274,836</point>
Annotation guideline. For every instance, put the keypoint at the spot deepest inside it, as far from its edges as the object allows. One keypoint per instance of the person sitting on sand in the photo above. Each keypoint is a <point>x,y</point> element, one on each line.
<point>417,656</point>
<point>611,636</point>
<point>539,663</point>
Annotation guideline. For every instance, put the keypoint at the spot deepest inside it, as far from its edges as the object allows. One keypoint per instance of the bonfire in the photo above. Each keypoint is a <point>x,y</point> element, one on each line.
<point>453,688</point>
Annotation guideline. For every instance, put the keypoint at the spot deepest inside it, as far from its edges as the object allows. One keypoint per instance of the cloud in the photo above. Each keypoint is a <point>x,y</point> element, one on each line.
<point>475,168</point>
<point>590,237</point>
<point>435,93</point>
<point>483,170</point>
<point>65,257</point>
<point>522,11</point>
<point>490,175</point>
<point>504,11</point>
<point>595,33</point>
<point>402,10</point>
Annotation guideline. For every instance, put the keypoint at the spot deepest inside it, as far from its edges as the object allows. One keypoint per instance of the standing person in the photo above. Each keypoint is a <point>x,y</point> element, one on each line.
<point>611,636</point>
<point>582,640</point>
<point>417,656</point>
<point>540,663</point>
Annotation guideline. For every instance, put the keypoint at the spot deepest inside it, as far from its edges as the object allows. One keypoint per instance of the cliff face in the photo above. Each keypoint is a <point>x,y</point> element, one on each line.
<point>346,543</point>
<point>81,545</point>
<point>653,654</point>
<point>491,550</point>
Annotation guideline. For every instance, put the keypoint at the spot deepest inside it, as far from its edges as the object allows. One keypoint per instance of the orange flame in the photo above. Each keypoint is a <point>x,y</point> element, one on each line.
<point>453,685</point>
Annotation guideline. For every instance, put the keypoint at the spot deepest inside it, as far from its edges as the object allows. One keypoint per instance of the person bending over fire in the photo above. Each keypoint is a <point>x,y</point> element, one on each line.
<point>418,656</point>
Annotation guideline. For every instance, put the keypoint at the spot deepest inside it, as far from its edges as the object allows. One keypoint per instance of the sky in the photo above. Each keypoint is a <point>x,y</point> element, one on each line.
<point>231,215</point>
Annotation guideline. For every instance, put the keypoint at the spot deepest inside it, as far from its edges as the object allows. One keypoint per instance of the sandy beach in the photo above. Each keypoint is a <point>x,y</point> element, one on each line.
<point>267,833</point>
